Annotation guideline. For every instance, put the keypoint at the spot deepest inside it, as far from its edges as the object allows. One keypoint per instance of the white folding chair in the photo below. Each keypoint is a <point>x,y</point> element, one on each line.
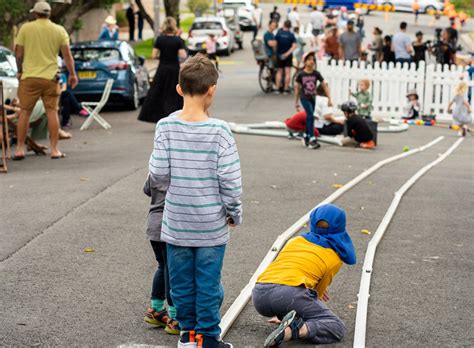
<point>95,107</point>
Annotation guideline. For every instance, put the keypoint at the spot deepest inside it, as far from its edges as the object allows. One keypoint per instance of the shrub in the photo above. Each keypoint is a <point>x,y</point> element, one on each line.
<point>198,7</point>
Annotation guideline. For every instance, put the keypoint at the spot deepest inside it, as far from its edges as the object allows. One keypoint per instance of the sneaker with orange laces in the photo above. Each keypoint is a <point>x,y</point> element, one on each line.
<point>172,327</point>
<point>211,342</point>
<point>368,145</point>
<point>159,319</point>
<point>187,339</point>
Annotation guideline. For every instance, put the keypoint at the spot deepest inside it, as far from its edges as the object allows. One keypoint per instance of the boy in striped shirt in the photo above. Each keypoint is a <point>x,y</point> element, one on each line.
<point>199,156</point>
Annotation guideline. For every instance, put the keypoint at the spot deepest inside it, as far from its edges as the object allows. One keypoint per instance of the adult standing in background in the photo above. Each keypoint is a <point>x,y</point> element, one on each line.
<point>350,43</point>
<point>401,45</point>
<point>162,98</point>
<point>377,45</point>
<point>294,17</point>
<point>130,13</point>
<point>317,23</point>
<point>37,46</point>
<point>275,15</point>
<point>419,48</point>
<point>109,29</point>
<point>286,45</point>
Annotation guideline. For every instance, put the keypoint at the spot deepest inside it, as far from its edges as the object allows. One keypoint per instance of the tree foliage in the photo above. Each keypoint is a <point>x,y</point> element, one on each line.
<point>198,7</point>
<point>15,12</point>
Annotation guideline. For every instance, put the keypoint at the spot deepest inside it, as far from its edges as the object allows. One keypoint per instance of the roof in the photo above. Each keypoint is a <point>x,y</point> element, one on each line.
<point>210,19</point>
<point>98,44</point>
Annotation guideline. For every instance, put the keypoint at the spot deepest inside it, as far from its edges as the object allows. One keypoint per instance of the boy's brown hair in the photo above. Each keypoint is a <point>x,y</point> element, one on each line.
<point>197,75</point>
<point>366,83</point>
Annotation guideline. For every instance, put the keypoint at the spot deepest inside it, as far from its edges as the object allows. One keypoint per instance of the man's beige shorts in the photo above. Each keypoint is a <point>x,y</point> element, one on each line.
<point>31,89</point>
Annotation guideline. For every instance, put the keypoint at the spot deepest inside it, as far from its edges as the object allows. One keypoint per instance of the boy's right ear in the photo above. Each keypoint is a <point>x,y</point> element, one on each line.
<point>179,90</point>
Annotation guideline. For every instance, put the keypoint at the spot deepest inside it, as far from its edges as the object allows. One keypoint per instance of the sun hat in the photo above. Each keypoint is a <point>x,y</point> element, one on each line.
<point>335,236</point>
<point>41,7</point>
<point>110,20</point>
<point>412,92</point>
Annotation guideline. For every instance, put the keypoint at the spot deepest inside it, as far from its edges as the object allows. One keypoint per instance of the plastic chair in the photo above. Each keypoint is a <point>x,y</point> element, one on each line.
<point>95,107</point>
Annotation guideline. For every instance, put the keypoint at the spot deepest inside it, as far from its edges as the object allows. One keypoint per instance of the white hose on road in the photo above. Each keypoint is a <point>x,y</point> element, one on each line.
<point>363,297</point>
<point>244,296</point>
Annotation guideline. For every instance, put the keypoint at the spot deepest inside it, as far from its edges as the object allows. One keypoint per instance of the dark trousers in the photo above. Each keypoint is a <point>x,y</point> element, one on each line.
<point>69,105</point>
<point>254,29</point>
<point>131,32</point>
<point>403,60</point>
<point>323,325</point>
<point>331,129</point>
<point>308,106</point>
<point>161,281</point>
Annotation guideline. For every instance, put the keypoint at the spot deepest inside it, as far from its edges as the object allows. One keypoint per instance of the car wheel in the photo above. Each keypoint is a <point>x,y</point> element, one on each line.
<point>430,9</point>
<point>227,52</point>
<point>134,101</point>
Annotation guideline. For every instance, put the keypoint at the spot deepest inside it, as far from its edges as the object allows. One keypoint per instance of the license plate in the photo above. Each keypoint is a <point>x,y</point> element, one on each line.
<point>87,74</point>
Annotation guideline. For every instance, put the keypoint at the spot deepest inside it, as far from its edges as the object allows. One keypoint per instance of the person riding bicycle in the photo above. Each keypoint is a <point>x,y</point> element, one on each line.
<point>270,43</point>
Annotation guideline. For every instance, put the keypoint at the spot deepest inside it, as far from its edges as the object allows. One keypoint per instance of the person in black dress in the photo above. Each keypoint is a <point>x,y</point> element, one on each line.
<point>131,22</point>
<point>388,54</point>
<point>419,48</point>
<point>162,98</point>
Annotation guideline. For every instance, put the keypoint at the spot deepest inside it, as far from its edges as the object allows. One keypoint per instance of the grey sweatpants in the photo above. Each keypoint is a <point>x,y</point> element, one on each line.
<point>274,299</point>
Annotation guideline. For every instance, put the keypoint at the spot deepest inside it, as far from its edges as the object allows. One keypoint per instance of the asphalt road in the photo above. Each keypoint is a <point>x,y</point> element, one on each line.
<point>53,293</point>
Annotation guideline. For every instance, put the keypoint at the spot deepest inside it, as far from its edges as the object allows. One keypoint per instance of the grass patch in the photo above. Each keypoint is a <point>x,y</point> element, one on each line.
<point>145,47</point>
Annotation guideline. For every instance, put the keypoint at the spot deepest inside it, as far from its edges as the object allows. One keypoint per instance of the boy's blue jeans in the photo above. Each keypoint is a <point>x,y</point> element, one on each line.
<point>196,290</point>
<point>308,106</point>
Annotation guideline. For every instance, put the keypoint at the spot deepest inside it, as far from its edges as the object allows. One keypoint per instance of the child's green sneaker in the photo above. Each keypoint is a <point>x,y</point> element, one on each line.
<point>172,327</point>
<point>159,319</point>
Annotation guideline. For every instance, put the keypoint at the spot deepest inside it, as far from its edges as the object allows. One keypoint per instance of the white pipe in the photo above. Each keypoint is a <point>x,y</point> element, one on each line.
<point>244,296</point>
<point>363,297</point>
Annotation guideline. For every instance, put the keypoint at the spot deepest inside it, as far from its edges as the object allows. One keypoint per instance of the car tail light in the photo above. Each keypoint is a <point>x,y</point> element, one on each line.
<point>118,66</point>
<point>225,33</point>
<point>190,35</point>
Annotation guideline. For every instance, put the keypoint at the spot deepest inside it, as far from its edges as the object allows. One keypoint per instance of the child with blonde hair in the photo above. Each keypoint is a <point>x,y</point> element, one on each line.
<point>462,110</point>
<point>364,99</point>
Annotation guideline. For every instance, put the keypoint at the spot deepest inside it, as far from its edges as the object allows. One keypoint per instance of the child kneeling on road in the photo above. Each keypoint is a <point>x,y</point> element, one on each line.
<point>294,285</point>
<point>199,156</point>
<point>358,130</point>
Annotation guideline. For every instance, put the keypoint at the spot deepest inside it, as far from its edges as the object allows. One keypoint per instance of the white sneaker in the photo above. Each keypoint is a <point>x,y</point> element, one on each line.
<point>187,345</point>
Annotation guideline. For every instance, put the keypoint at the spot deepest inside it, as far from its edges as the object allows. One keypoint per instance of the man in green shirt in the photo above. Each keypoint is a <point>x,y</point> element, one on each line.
<point>37,46</point>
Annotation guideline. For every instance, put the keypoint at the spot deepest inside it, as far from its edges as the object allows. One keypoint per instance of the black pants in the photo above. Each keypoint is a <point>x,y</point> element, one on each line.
<point>69,105</point>
<point>331,129</point>
<point>161,281</point>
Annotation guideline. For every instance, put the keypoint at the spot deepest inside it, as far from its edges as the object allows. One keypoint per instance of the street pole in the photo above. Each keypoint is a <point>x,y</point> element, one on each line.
<point>156,10</point>
<point>215,7</point>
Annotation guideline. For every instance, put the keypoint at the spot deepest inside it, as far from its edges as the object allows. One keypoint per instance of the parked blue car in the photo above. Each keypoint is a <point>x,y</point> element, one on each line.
<point>98,61</point>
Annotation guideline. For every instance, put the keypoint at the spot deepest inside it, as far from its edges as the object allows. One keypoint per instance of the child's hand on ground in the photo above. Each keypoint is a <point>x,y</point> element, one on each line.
<point>325,297</point>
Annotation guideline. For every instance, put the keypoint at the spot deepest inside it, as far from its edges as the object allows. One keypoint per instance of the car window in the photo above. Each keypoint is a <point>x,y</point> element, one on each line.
<point>206,26</point>
<point>7,64</point>
<point>95,54</point>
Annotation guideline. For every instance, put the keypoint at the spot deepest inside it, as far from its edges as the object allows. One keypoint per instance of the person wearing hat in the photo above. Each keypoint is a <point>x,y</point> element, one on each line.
<point>358,130</point>
<point>109,29</point>
<point>37,46</point>
<point>306,83</point>
<point>350,41</point>
<point>413,107</point>
<point>294,285</point>
<point>419,49</point>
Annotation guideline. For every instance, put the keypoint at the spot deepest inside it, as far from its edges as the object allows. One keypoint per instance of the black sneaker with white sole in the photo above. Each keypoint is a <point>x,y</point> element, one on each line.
<point>290,320</point>
<point>313,144</point>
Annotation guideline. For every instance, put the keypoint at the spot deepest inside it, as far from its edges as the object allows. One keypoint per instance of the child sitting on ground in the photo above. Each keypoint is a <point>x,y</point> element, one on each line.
<point>413,107</point>
<point>157,314</point>
<point>324,120</point>
<point>358,130</point>
<point>199,156</point>
<point>364,99</point>
<point>295,284</point>
<point>462,110</point>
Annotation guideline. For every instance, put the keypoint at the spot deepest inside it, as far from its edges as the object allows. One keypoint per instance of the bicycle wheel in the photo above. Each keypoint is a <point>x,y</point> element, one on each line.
<point>265,78</point>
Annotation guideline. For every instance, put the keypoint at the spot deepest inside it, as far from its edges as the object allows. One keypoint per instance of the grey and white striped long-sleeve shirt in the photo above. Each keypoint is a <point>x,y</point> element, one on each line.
<point>203,166</point>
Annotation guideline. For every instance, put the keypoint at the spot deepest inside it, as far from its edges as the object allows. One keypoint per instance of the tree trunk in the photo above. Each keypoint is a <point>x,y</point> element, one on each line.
<point>145,15</point>
<point>172,9</point>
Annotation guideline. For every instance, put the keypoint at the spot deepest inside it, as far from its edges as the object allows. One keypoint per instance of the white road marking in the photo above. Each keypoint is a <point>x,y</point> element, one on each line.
<point>363,297</point>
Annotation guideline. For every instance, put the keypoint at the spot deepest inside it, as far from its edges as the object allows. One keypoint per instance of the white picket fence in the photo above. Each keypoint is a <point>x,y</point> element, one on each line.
<point>390,84</point>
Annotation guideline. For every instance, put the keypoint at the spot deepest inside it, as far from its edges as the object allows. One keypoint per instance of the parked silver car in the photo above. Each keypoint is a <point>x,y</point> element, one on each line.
<point>406,5</point>
<point>202,27</point>
<point>8,72</point>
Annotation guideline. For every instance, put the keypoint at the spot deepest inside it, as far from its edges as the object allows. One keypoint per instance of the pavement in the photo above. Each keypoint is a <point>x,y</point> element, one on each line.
<point>55,294</point>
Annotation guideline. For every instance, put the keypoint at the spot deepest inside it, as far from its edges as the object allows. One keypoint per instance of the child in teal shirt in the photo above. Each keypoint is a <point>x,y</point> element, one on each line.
<point>364,99</point>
